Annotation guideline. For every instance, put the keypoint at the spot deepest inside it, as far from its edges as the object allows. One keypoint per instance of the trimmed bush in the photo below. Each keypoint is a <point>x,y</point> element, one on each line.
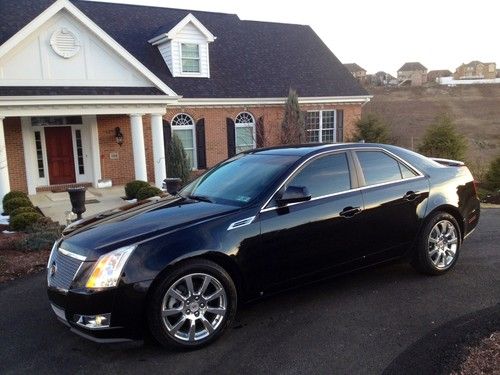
<point>14,194</point>
<point>493,175</point>
<point>40,235</point>
<point>22,221</point>
<point>178,165</point>
<point>148,192</point>
<point>133,187</point>
<point>15,203</point>
<point>371,129</point>
<point>22,210</point>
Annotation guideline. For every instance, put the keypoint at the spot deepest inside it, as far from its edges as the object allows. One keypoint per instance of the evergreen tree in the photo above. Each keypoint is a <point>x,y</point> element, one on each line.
<point>292,127</point>
<point>178,165</point>
<point>371,129</point>
<point>441,140</point>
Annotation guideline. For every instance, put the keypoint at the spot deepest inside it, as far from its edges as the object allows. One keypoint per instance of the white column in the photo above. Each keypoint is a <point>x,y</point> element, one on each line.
<point>158,149</point>
<point>95,150</point>
<point>141,172</point>
<point>4,170</point>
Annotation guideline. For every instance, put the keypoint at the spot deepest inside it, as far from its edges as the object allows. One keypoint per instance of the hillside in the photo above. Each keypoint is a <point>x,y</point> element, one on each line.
<point>475,110</point>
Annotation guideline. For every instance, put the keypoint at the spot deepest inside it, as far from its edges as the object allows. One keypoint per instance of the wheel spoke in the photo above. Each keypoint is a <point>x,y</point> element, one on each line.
<point>178,325</point>
<point>170,312</point>
<point>189,284</point>
<point>206,283</point>
<point>208,326</point>
<point>215,295</point>
<point>216,310</point>
<point>432,240</point>
<point>453,241</point>
<point>433,252</point>
<point>177,295</point>
<point>192,330</point>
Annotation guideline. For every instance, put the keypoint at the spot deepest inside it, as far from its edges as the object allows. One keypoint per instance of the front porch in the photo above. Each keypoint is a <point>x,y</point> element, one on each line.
<point>46,145</point>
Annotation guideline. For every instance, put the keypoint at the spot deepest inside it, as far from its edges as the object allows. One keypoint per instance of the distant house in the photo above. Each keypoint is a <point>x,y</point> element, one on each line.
<point>382,79</point>
<point>476,70</point>
<point>412,73</point>
<point>433,75</point>
<point>498,73</point>
<point>357,72</point>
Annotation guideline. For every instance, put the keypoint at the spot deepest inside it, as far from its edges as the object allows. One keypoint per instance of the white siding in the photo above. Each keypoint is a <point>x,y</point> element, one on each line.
<point>34,63</point>
<point>171,52</point>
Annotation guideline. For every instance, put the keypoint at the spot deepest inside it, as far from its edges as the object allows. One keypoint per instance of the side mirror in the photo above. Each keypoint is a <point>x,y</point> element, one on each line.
<point>294,194</point>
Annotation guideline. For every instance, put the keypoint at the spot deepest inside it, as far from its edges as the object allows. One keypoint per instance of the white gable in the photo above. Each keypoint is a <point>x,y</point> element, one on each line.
<point>65,52</point>
<point>189,31</point>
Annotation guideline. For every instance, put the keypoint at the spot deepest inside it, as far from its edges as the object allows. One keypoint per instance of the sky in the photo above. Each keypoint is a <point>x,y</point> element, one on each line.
<point>382,34</point>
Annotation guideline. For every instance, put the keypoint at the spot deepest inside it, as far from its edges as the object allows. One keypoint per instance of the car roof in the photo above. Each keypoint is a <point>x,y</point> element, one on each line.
<point>310,148</point>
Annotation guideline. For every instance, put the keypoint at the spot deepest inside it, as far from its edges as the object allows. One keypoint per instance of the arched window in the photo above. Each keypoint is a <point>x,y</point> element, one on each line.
<point>183,127</point>
<point>244,132</point>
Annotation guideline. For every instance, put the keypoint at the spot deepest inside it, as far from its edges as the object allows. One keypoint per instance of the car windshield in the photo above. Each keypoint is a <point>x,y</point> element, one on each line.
<point>239,181</point>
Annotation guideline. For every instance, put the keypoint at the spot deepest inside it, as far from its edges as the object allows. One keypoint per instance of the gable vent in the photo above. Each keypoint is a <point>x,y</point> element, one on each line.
<point>65,43</point>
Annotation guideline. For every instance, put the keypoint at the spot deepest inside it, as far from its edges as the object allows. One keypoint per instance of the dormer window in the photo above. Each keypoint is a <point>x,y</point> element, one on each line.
<point>185,48</point>
<point>190,55</point>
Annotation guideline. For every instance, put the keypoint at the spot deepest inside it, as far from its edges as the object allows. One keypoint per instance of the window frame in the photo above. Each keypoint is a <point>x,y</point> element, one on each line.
<point>320,128</point>
<point>242,126</point>
<point>182,58</point>
<point>193,132</point>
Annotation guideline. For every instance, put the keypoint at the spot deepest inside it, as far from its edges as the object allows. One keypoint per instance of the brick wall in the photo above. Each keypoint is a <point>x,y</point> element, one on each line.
<point>15,153</point>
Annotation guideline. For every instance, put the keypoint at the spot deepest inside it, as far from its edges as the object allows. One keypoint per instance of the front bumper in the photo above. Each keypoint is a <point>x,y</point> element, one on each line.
<point>126,304</point>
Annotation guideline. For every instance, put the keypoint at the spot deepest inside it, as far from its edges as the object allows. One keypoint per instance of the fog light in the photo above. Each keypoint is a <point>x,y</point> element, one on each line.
<point>93,321</point>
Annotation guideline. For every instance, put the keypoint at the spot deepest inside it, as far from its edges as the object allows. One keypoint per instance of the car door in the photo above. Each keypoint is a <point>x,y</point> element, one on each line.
<point>394,196</point>
<point>302,238</point>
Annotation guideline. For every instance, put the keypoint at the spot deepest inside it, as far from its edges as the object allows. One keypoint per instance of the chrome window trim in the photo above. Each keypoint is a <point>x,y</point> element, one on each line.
<point>72,255</point>
<point>404,162</point>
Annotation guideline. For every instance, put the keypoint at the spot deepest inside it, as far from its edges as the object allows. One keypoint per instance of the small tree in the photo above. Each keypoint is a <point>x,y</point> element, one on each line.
<point>371,128</point>
<point>441,140</point>
<point>292,127</point>
<point>178,165</point>
<point>493,175</point>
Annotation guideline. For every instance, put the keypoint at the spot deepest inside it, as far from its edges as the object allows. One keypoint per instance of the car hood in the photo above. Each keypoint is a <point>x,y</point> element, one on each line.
<point>98,234</point>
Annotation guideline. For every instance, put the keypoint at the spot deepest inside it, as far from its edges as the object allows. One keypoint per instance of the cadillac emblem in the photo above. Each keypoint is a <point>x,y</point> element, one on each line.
<point>53,269</point>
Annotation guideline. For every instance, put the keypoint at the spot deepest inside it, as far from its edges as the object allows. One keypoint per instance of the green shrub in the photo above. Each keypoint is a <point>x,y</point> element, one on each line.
<point>40,235</point>
<point>22,210</point>
<point>133,187</point>
<point>148,192</point>
<point>22,221</point>
<point>492,180</point>
<point>14,203</point>
<point>14,194</point>
<point>178,165</point>
<point>371,129</point>
<point>441,140</point>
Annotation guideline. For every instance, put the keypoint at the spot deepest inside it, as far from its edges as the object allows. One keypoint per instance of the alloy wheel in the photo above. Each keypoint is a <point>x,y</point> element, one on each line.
<point>194,307</point>
<point>442,244</point>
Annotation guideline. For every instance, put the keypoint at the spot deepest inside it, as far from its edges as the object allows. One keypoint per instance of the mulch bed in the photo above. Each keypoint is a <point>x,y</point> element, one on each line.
<point>482,359</point>
<point>15,263</point>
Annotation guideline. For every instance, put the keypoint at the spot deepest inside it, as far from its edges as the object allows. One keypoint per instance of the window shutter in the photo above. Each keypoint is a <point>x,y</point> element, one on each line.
<point>340,125</point>
<point>259,132</point>
<point>231,137</point>
<point>201,153</point>
<point>167,138</point>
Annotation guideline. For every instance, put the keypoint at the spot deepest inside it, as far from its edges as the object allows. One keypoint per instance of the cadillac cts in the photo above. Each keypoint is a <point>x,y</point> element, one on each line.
<point>256,223</point>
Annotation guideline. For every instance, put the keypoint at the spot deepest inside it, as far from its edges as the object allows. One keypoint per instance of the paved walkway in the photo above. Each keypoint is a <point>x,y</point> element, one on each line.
<point>57,205</point>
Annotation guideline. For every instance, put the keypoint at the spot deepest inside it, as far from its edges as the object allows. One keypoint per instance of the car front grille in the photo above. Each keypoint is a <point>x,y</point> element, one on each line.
<point>62,269</point>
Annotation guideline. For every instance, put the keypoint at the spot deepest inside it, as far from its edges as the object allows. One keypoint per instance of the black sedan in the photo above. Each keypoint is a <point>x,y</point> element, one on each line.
<point>259,222</point>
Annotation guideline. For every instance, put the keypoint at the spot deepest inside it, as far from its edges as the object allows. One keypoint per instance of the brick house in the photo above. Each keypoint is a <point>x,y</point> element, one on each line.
<point>413,73</point>
<point>433,75</point>
<point>476,70</point>
<point>92,90</point>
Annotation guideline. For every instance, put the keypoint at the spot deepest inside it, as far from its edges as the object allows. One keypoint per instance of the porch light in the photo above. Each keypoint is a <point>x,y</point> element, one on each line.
<point>118,136</point>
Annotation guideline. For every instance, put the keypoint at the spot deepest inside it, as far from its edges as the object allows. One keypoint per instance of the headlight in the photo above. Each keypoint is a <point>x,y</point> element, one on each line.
<point>108,268</point>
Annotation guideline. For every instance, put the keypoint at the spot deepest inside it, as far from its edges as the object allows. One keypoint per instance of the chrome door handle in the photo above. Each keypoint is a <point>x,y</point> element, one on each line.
<point>411,195</point>
<point>350,211</point>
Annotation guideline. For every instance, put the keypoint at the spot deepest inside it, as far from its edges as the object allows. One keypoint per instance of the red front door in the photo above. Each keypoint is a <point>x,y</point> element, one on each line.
<point>59,143</point>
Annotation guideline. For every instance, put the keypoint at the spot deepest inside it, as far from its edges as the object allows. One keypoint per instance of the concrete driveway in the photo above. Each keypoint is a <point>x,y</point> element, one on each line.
<point>359,323</point>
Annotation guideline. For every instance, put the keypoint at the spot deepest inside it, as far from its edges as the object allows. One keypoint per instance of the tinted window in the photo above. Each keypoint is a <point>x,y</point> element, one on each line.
<point>406,172</point>
<point>323,176</point>
<point>378,167</point>
<point>240,180</point>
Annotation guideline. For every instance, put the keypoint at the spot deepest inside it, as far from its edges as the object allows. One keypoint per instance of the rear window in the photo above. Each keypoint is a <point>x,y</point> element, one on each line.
<point>379,167</point>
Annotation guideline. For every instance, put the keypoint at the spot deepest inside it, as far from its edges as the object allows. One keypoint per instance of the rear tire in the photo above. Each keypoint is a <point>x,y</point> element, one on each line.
<point>193,305</point>
<point>438,246</point>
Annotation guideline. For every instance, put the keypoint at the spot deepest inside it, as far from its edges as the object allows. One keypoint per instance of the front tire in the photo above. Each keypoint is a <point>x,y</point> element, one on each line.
<point>193,305</point>
<point>438,247</point>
